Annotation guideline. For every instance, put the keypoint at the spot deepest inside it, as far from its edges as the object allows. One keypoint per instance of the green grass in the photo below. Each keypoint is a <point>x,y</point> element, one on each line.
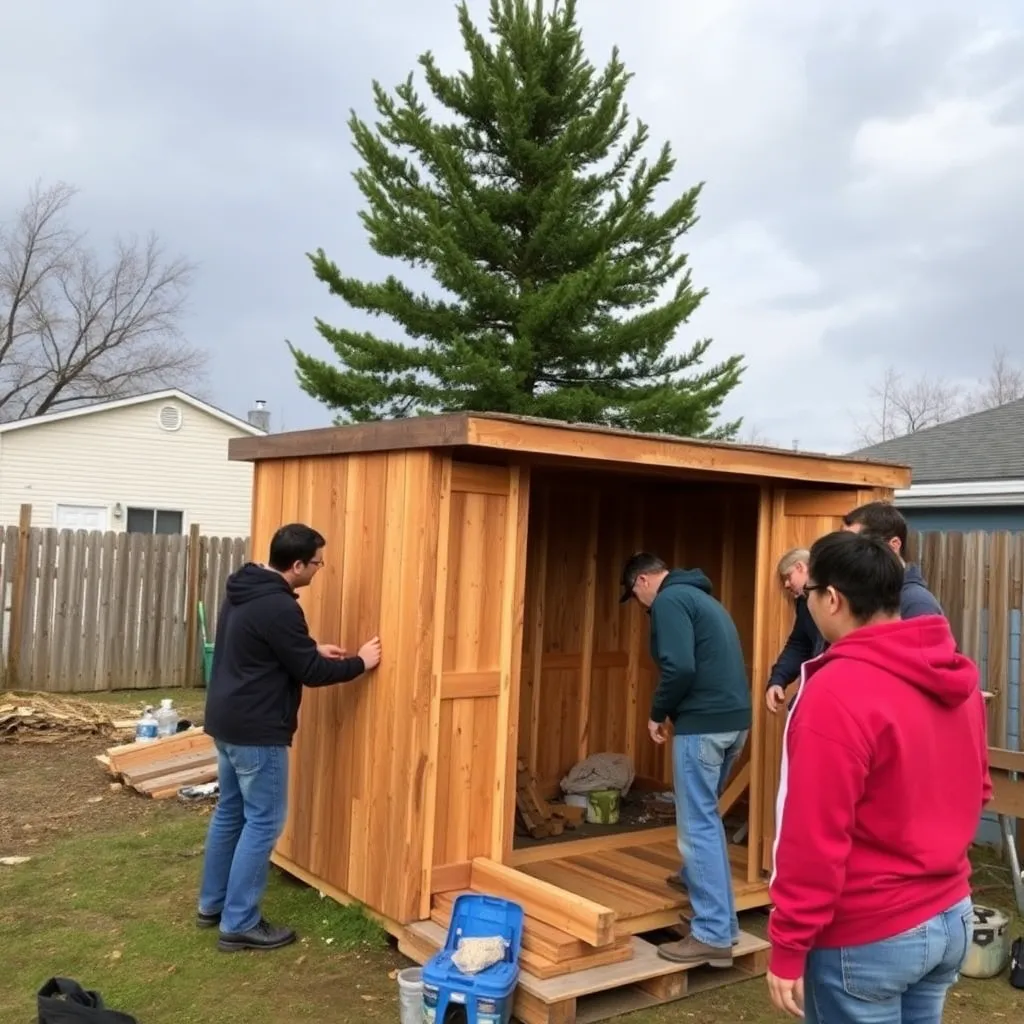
<point>117,914</point>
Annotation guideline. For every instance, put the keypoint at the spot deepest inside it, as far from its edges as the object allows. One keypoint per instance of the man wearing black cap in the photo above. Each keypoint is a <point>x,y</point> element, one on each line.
<point>703,691</point>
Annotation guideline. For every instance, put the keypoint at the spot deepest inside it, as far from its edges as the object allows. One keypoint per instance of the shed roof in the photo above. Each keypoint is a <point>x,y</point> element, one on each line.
<point>554,439</point>
<point>987,445</point>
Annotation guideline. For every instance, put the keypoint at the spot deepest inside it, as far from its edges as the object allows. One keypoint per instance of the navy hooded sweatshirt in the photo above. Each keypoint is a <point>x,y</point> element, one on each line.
<point>915,598</point>
<point>262,657</point>
<point>805,642</point>
<point>702,686</point>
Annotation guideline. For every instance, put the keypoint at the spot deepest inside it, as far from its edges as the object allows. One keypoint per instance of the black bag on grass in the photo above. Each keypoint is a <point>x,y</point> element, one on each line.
<point>63,1001</point>
<point>1017,963</point>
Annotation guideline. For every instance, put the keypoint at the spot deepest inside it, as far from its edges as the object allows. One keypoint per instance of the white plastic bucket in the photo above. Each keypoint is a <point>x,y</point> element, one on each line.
<point>988,951</point>
<point>410,995</point>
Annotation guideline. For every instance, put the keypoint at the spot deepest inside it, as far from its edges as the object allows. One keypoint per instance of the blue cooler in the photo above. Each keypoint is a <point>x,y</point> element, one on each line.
<point>485,997</point>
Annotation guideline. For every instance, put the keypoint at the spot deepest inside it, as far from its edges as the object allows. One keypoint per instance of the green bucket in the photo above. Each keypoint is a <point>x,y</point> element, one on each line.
<point>603,807</point>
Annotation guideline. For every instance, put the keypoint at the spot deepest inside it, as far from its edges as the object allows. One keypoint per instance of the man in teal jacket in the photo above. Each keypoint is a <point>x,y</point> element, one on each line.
<point>703,701</point>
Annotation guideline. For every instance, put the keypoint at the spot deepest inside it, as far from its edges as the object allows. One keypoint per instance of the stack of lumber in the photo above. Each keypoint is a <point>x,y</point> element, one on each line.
<point>537,817</point>
<point>160,768</point>
<point>39,718</point>
<point>548,952</point>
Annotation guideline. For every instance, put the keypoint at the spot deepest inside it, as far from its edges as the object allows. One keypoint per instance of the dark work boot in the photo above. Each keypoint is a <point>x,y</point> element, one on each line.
<point>692,952</point>
<point>204,920</point>
<point>264,936</point>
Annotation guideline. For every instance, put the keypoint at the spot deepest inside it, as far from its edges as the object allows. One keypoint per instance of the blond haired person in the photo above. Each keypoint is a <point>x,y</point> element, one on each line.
<point>804,641</point>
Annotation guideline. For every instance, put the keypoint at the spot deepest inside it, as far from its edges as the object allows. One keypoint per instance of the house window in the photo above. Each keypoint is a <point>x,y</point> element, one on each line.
<point>153,520</point>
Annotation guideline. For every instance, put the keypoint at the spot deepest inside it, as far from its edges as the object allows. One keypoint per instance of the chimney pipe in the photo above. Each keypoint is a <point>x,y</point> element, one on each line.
<point>259,416</point>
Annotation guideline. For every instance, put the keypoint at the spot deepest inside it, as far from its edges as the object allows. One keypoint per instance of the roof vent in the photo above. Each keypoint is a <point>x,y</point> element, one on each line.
<point>170,417</point>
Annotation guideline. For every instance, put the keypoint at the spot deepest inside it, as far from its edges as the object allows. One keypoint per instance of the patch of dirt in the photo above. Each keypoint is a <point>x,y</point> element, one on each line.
<point>54,791</point>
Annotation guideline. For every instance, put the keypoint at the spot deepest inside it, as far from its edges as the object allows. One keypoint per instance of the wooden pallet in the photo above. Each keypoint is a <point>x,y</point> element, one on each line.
<point>601,992</point>
<point>160,768</point>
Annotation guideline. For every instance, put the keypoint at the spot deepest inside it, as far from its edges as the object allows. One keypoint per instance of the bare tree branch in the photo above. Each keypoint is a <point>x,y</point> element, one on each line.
<point>753,435</point>
<point>75,330</point>
<point>1005,383</point>
<point>899,407</point>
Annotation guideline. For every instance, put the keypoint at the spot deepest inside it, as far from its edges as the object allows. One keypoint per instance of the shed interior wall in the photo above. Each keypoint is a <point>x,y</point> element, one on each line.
<point>587,676</point>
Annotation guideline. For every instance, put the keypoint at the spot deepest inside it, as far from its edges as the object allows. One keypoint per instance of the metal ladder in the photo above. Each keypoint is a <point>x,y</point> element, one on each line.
<point>1010,842</point>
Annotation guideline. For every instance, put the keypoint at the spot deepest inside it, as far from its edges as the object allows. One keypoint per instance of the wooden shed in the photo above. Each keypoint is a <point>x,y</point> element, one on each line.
<point>486,551</point>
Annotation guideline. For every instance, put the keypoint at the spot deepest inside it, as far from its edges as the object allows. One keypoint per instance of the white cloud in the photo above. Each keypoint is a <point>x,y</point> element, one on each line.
<point>953,134</point>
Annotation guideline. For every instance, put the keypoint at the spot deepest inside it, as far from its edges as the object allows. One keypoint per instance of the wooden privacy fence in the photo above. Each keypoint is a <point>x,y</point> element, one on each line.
<point>92,610</point>
<point>979,578</point>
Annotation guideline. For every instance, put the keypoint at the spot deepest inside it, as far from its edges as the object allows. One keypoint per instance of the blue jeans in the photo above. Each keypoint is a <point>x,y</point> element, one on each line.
<point>902,980</point>
<point>700,770</point>
<point>246,824</point>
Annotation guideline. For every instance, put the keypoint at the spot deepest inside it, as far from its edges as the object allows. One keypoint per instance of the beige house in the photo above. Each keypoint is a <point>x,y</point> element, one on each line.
<point>156,463</point>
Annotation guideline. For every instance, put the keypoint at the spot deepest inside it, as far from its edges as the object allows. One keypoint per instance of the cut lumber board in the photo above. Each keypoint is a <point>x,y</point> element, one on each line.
<point>540,938</point>
<point>133,755</point>
<point>169,765</point>
<point>580,917</point>
<point>168,785</point>
<point>533,961</point>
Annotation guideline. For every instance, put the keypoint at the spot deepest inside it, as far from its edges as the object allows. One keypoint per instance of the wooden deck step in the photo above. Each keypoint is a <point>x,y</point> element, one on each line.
<point>598,993</point>
<point>582,916</point>
<point>568,954</point>
<point>632,882</point>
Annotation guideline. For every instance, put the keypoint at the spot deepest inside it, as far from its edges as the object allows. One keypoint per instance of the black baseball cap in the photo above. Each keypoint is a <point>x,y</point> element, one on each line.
<point>636,565</point>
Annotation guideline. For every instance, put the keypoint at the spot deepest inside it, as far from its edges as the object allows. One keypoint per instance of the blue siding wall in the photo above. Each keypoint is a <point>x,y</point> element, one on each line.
<point>971,520</point>
<point>966,520</point>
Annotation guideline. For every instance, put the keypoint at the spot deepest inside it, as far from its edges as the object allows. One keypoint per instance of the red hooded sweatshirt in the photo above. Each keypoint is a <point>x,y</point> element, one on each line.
<point>884,777</point>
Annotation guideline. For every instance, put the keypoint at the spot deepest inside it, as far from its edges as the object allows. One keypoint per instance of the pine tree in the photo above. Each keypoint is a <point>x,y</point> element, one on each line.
<point>560,286</point>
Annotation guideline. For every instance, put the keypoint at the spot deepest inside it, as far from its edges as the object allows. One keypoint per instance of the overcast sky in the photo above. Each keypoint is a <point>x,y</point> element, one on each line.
<point>864,203</point>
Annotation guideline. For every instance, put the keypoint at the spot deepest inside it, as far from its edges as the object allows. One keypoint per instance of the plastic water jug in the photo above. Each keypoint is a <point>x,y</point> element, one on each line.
<point>146,727</point>
<point>166,719</point>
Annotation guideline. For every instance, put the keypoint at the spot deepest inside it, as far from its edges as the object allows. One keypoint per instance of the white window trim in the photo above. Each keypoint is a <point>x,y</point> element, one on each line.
<point>968,494</point>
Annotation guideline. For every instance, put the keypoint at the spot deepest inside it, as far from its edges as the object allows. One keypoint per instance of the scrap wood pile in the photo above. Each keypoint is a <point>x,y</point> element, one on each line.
<point>162,768</point>
<point>43,718</point>
<point>535,816</point>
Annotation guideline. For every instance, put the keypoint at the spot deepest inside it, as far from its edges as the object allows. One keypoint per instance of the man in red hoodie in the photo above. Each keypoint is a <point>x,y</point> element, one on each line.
<point>884,777</point>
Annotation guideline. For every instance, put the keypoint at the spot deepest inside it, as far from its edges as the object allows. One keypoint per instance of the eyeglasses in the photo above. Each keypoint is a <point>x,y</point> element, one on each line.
<point>809,587</point>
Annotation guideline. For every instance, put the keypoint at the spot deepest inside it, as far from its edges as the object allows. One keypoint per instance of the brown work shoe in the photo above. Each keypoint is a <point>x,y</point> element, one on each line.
<point>692,952</point>
<point>683,929</point>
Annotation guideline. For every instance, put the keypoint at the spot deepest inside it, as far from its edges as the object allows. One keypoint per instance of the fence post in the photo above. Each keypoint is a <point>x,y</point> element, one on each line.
<point>19,584</point>
<point>191,608</point>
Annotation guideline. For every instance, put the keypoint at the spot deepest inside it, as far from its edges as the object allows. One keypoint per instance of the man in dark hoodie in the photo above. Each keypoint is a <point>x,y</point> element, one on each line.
<point>263,655</point>
<point>704,692</point>
<point>883,520</point>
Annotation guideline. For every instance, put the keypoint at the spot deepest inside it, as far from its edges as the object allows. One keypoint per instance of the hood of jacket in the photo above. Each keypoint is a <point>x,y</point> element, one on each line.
<point>686,578</point>
<point>252,582</point>
<point>919,652</point>
<point>913,576</point>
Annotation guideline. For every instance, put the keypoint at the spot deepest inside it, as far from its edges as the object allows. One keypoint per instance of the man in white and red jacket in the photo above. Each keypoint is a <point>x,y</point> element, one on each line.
<point>884,778</point>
